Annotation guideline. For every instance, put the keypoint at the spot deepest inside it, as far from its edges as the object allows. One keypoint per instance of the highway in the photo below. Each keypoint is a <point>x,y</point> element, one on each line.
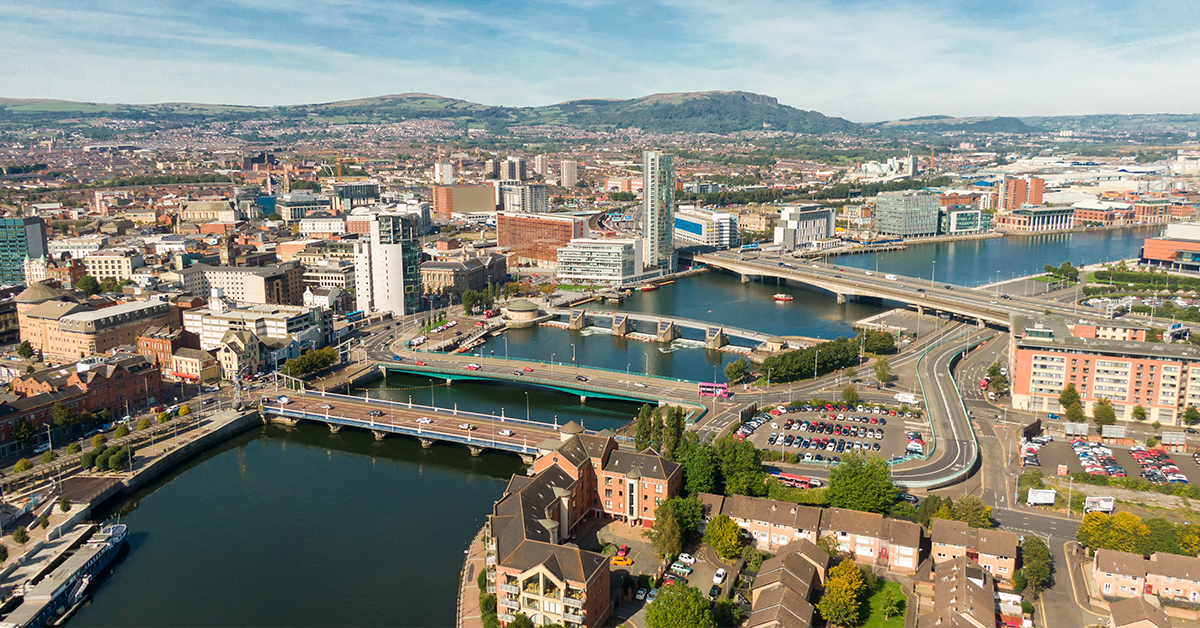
<point>968,302</point>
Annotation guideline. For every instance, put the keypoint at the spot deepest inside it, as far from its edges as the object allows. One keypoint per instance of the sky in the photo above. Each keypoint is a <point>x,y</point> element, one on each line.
<point>861,60</point>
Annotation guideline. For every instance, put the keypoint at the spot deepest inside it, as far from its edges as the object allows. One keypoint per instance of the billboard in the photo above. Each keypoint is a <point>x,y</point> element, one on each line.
<point>1043,497</point>
<point>1098,504</point>
<point>1174,438</point>
<point>1031,430</point>
<point>1113,431</point>
<point>1076,429</point>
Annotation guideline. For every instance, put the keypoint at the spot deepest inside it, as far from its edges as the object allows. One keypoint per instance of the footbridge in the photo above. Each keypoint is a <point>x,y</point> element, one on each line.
<point>427,424</point>
<point>971,303</point>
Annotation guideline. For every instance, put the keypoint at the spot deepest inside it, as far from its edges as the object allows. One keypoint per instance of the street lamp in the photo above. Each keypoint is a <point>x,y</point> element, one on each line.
<point>572,353</point>
<point>931,274</point>
<point>527,405</point>
<point>432,403</point>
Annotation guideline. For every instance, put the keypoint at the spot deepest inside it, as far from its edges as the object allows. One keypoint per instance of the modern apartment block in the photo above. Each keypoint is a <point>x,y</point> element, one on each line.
<point>994,550</point>
<point>706,228</point>
<point>658,208</point>
<point>1017,192</point>
<point>801,224</point>
<point>20,238</point>
<point>568,175</point>
<point>513,168</point>
<point>78,248</point>
<point>908,214</point>
<point>1104,360</point>
<point>537,571</point>
<point>387,266</point>
<point>312,327</point>
<point>295,206</point>
<point>529,199</point>
<point>1035,219</point>
<point>536,238</point>
<point>607,262</point>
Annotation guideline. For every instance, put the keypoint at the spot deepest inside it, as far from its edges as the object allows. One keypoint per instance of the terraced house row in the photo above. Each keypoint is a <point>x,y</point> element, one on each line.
<point>891,543</point>
<point>1172,577</point>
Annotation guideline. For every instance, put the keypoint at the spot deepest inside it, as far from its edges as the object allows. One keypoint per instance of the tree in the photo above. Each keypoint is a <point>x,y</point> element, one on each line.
<point>184,411</point>
<point>701,470</point>
<point>656,428</point>
<point>1035,556</point>
<point>43,521</point>
<point>996,380</point>
<point>60,415</point>
<point>469,299</point>
<point>73,449</point>
<point>724,536</point>
<point>927,509</point>
<point>1156,426</point>
<point>1139,412</point>
<point>3,554</point>
<point>25,350</point>
<point>688,510</point>
<point>1075,414</point>
<point>22,465</point>
<point>1068,397</point>
<point>972,511</point>
<point>741,468</point>
<point>48,457</point>
<point>850,395</point>
<point>736,371</point>
<point>844,586</point>
<point>121,432</point>
<point>893,605</point>
<point>666,537</point>
<point>1103,414</point>
<point>1191,415</point>
<point>20,536</point>
<point>520,620</point>
<point>883,371</point>
<point>163,417</point>
<point>110,284</point>
<point>87,284</point>
<point>672,430</point>
<point>64,504</point>
<point>829,545</point>
<point>863,484</point>
<point>679,606</point>
<point>275,215</point>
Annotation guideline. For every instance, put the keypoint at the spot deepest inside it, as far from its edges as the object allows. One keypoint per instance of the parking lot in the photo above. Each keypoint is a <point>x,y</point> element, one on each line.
<point>855,427</point>
<point>1060,452</point>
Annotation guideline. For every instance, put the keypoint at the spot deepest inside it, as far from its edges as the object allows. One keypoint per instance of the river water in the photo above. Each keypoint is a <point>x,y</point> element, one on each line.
<point>298,527</point>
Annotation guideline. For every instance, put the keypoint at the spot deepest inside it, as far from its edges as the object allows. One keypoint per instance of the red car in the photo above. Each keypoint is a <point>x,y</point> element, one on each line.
<point>623,551</point>
<point>527,370</point>
<point>420,363</point>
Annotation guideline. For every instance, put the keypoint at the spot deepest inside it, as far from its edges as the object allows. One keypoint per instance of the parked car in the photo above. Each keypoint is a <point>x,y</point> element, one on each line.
<point>641,594</point>
<point>620,561</point>
<point>719,577</point>
<point>466,426</point>
<point>714,593</point>
<point>686,559</point>
<point>505,433</point>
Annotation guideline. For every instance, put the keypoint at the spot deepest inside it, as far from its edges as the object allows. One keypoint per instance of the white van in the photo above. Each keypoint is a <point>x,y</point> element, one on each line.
<point>890,277</point>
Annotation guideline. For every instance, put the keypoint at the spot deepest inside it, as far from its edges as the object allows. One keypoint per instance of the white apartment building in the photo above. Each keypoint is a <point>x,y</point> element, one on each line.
<point>387,266</point>
<point>78,248</point>
<point>330,275</point>
<point>568,175</point>
<point>312,326</point>
<point>116,263</point>
<point>614,263</point>
<point>706,228</point>
<point>322,224</point>
<point>530,199</point>
<point>295,206</point>
<point>800,225</point>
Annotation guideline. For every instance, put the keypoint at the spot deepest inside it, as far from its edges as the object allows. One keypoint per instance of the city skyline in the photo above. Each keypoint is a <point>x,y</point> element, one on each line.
<point>862,61</point>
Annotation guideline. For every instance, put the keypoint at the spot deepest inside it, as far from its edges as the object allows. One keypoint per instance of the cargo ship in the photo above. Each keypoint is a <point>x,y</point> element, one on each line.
<point>59,594</point>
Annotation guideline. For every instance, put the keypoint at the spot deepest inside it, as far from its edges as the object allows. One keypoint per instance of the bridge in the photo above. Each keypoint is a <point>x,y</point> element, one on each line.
<point>396,418</point>
<point>971,303</point>
<point>624,322</point>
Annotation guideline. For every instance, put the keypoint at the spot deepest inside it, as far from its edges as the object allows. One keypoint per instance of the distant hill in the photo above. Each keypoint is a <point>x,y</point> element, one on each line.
<point>712,112</point>
<point>941,124</point>
<point>1162,122</point>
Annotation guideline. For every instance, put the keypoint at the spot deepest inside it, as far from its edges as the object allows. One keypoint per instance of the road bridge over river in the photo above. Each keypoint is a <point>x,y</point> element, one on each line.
<point>972,303</point>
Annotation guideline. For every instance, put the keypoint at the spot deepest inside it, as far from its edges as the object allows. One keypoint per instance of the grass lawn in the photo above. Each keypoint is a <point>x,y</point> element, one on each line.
<point>874,613</point>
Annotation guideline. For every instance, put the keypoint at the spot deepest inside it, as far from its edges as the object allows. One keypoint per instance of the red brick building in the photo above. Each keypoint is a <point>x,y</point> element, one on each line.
<point>35,410</point>
<point>121,382</point>
<point>158,344</point>
<point>536,238</point>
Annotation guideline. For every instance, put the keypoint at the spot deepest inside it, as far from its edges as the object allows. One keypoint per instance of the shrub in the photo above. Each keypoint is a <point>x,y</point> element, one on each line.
<point>163,417</point>
<point>143,424</point>
<point>20,536</point>
<point>121,432</point>
<point>184,411</point>
<point>99,439</point>
<point>1026,607</point>
<point>481,581</point>
<point>73,449</point>
<point>487,603</point>
<point>24,464</point>
<point>64,504</point>
<point>43,522</point>
<point>48,457</point>
<point>88,461</point>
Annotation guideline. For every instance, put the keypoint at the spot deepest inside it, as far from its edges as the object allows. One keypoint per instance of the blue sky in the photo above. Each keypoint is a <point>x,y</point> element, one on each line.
<point>856,59</point>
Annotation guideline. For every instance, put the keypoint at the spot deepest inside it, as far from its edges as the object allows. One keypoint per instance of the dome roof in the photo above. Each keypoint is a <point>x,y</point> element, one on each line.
<point>521,305</point>
<point>571,427</point>
<point>39,293</point>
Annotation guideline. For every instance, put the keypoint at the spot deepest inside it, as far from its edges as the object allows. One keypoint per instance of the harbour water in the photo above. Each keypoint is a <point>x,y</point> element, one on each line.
<point>299,527</point>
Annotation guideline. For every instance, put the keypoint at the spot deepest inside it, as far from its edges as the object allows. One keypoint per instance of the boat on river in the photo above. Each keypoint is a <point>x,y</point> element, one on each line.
<point>782,297</point>
<point>649,287</point>
<point>54,598</point>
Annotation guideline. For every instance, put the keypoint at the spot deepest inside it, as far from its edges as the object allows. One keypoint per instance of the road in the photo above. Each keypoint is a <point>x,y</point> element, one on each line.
<point>970,302</point>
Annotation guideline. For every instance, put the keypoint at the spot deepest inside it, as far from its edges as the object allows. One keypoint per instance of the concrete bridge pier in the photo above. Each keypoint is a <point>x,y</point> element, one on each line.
<point>745,278</point>
<point>378,434</point>
<point>334,428</point>
<point>582,398</point>
<point>579,319</point>
<point>475,450</point>
<point>667,331</point>
<point>841,299</point>
<point>621,325</point>
<point>714,338</point>
<point>426,443</point>
<point>979,323</point>
<point>285,421</point>
<point>528,458</point>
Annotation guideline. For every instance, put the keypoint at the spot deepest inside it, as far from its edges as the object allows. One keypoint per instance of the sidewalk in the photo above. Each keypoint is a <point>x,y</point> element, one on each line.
<point>469,614</point>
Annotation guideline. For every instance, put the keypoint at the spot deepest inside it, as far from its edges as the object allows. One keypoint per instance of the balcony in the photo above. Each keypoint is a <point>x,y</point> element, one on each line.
<point>508,588</point>
<point>491,560</point>
<point>573,618</point>
<point>510,603</point>
<point>491,588</point>
<point>532,604</point>
<point>506,617</point>
<point>573,602</point>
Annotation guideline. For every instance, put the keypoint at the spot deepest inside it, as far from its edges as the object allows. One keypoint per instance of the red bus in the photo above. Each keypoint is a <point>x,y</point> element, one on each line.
<point>983,383</point>
<point>713,390</point>
<point>798,481</point>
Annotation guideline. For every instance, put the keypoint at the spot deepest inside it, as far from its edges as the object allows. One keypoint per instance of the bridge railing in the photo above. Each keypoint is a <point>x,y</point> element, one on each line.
<point>439,410</point>
<point>399,429</point>
<point>589,367</point>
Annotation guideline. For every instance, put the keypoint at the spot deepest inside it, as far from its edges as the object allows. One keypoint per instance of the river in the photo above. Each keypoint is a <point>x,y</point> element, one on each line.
<point>299,527</point>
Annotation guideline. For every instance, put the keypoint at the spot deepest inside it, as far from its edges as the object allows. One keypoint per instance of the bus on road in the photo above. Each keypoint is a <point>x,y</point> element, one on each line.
<point>354,316</point>
<point>714,390</point>
<point>797,481</point>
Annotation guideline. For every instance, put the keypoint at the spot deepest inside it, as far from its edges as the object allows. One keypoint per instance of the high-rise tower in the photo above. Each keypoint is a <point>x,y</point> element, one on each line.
<point>658,205</point>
